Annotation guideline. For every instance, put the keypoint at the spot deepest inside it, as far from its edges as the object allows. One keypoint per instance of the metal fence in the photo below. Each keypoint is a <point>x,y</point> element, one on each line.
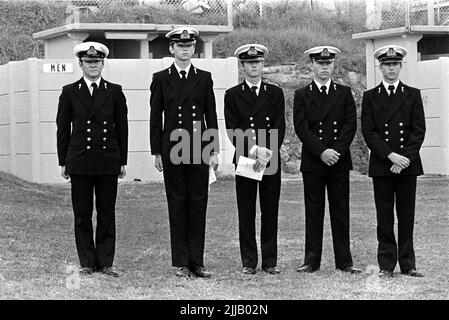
<point>385,14</point>
<point>376,14</point>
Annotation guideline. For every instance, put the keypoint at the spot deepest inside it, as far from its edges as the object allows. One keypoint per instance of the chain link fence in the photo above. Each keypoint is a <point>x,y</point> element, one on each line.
<point>373,14</point>
<point>385,14</point>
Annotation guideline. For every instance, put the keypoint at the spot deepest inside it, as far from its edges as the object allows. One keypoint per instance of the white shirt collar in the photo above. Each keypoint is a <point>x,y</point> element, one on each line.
<point>187,69</point>
<point>258,84</point>
<point>327,84</point>
<point>89,84</point>
<point>386,84</point>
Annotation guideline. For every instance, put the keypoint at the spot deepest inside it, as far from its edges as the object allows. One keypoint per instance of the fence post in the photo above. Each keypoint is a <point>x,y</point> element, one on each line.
<point>430,13</point>
<point>407,15</point>
<point>230,13</point>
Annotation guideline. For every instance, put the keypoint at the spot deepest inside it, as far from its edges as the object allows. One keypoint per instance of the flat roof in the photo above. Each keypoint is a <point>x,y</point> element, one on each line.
<point>400,31</point>
<point>125,27</point>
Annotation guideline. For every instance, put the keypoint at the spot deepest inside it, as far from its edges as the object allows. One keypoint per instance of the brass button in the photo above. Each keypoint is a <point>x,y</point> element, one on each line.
<point>401,132</point>
<point>402,139</point>
<point>252,124</point>
<point>88,139</point>
<point>401,124</point>
<point>104,147</point>
<point>180,122</point>
<point>267,118</point>
<point>320,131</point>
<point>253,131</point>
<point>194,129</point>
<point>104,139</point>
<point>88,121</point>
<point>88,147</point>
<point>401,146</point>
<point>179,115</point>
<point>193,107</point>
<point>88,130</point>
<point>320,123</point>
<point>105,123</point>
<point>251,118</point>
<point>386,133</point>
<point>254,138</point>
<point>386,125</point>
<point>335,130</point>
<point>335,138</point>
<point>335,123</point>
<point>194,122</point>
<point>387,140</point>
<point>320,138</point>
<point>179,108</point>
<point>193,114</point>
<point>105,130</point>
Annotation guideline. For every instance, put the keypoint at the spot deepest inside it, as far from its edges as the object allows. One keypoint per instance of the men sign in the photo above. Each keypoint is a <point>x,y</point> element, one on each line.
<point>58,67</point>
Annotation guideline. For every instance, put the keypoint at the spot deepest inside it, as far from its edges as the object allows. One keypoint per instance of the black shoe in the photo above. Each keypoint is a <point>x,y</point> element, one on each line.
<point>109,271</point>
<point>351,270</point>
<point>272,270</point>
<point>306,268</point>
<point>183,272</point>
<point>385,274</point>
<point>248,270</point>
<point>413,273</point>
<point>201,272</point>
<point>85,271</point>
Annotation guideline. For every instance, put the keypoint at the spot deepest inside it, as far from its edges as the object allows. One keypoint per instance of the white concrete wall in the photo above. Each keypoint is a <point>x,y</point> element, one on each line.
<point>28,106</point>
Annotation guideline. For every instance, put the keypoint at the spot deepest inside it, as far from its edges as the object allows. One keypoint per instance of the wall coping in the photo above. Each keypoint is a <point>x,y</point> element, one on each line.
<point>400,31</point>
<point>125,27</point>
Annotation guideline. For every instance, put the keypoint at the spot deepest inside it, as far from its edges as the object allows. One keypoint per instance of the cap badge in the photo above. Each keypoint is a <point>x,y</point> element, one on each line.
<point>185,35</point>
<point>252,51</point>
<point>391,53</point>
<point>91,51</point>
<point>325,53</point>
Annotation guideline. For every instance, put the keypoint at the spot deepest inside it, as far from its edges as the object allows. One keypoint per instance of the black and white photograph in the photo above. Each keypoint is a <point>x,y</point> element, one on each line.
<point>224,158</point>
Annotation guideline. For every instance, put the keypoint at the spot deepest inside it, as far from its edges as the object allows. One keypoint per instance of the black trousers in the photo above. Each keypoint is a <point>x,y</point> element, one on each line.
<point>186,186</point>
<point>269,194</point>
<point>387,191</point>
<point>100,253</point>
<point>337,184</point>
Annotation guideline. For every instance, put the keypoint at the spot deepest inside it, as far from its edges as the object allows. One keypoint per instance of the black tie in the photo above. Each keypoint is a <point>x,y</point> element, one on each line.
<point>391,89</point>
<point>183,77</point>
<point>254,89</point>
<point>323,90</point>
<point>94,91</point>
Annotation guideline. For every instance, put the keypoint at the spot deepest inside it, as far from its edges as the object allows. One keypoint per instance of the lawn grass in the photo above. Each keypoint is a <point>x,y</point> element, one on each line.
<point>37,247</point>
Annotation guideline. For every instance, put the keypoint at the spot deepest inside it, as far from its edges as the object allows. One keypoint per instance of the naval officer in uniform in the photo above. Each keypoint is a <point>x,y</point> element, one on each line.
<point>324,116</point>
<point>184,141</point>
<point>92,143</point>
<point>254,114</point>
<point>393,126</point>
